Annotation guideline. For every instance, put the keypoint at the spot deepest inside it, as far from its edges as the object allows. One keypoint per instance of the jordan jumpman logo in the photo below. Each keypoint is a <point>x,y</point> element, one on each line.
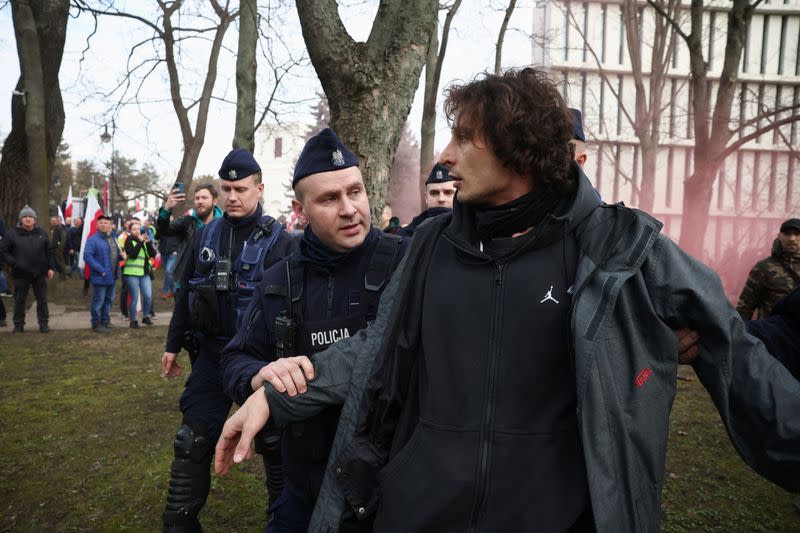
<point>549,296</point>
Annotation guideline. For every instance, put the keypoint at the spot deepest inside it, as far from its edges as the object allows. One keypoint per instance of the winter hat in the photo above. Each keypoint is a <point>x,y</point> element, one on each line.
<point>27,211</point>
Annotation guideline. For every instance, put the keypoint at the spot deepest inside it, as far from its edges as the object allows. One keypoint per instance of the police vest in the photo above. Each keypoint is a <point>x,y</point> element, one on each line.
<point>311,337</point>
<point>307,445</point>
<point>242,275</point>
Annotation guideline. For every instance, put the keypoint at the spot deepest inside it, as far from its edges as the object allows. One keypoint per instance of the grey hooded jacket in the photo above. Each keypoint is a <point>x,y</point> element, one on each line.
<point>634,286</point>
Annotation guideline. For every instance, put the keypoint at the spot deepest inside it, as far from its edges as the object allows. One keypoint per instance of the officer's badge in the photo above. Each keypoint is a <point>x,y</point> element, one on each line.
<point>439,176</point>
<point>338,158</point>
<point>232,174</point>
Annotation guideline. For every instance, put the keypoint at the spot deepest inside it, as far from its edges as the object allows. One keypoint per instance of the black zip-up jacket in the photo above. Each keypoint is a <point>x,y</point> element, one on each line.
<point>632,286</point>
<point>28,253</point>
<point>182,230</point>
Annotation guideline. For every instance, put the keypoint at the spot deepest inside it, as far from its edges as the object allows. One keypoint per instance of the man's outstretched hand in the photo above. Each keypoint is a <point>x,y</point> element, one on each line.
<point>238,432</point>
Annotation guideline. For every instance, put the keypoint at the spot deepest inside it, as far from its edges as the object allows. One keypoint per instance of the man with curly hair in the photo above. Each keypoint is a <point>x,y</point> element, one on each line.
<point>521,370</point>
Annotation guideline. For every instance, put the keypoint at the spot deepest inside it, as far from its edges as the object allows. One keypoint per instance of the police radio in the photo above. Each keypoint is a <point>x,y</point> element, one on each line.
<point>285,327</point>
<point>222,276</point>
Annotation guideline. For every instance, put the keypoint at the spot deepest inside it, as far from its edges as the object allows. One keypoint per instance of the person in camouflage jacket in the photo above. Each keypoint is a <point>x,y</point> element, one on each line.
<point>773,277</point>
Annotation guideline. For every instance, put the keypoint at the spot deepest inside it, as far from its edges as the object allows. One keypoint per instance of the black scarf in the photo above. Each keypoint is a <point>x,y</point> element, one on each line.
<point>516,216</point>
<point>312,250</point>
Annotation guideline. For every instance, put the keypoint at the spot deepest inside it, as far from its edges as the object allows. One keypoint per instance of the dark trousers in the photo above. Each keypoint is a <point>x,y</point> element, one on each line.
<point>123,299</point>
<point>291,512</point>
<point>203,399</point>
<point>2,311</point>
<point>21,286</point>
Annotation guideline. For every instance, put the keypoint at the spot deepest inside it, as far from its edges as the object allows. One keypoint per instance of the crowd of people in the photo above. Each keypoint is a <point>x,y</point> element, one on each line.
<point>388,376</point>
<point>128,257</point>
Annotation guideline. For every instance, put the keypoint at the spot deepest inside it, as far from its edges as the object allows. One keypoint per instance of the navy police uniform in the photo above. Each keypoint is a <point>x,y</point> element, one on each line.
<point>227,261</point>
<point>305,303</point>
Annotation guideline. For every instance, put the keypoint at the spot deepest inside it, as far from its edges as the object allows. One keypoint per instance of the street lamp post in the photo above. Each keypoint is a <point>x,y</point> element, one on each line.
<point>106,138</point>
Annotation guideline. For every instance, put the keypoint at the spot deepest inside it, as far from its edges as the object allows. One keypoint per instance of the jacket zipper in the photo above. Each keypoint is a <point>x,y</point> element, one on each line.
<point>487,433</point>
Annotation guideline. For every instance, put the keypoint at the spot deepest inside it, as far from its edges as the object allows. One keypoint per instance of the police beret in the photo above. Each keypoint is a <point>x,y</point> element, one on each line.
<point>237,165</point>
<point>577,126</point>
<point>323,152</point>
<point>439,174</point>
<point>791,224</point>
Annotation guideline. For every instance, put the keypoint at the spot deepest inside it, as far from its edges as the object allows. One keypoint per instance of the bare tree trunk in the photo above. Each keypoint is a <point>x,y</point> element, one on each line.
<point>427,129</point>
<point>433,74</point>
<point>369,85</point>
<point>246,67</point>
<point>38,114</point>
<point>501,36</point>
<point>711,129</point>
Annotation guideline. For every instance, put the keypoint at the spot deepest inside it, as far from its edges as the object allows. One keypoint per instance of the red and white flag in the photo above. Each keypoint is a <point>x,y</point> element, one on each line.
<point>68,207</point>
<point>137,205</point>
<point>61,216</point>
<point>93,212</point>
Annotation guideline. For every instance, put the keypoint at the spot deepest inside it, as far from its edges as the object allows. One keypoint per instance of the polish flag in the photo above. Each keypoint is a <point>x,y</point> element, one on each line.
<point>93,212</point>
<point>137,205</point>
<point>68,207</point>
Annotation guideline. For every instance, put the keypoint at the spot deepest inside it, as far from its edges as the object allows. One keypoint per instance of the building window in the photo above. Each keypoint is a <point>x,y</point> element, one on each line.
<point>603,12</point>
<point>764,42</point>
<point>782,51</point>
<point>278,147</point>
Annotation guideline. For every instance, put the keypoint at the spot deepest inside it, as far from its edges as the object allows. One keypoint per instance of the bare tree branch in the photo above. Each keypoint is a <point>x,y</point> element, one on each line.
<point>670,20</point>
<point>498,54</point>
<point>741,141</point>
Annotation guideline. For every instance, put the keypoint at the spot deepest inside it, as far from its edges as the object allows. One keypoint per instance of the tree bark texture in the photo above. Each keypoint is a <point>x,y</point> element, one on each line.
<point>37,118</point>
<point>370,85</point>
<point>246,67</point>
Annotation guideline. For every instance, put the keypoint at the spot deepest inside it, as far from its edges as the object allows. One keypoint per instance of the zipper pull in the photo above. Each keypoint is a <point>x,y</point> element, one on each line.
<point>499,277</point>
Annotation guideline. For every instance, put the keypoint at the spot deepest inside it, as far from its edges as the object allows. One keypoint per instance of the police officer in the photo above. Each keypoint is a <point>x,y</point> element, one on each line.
<point>439,194</point>
<point>325,292</point>
<point>227,260</point>
<point>578,140</point>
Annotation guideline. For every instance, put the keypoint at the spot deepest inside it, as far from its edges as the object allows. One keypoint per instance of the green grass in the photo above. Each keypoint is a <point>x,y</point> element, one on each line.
<point>86,427</point>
